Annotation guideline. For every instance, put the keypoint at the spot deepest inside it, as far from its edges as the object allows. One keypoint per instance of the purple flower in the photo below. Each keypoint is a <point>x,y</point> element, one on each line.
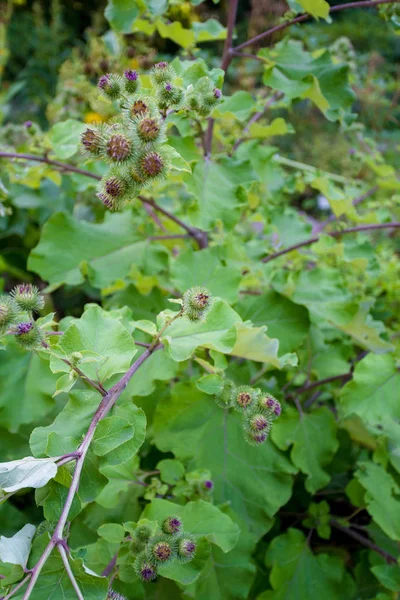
<point>168,87</point>
<point>23,328</point>
<point>217,93</point>
<point>208,484</point>
<point>162,65</point>
<point>28,124</point>
<point>131,75</point>
<point>103,81</point>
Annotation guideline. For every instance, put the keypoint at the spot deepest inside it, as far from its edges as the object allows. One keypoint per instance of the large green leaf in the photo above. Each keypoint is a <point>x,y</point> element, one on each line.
<point>298,74</point>
<point>15,550</point>
<point>373,392</point>
<point>313,437</point>
<point>122,14</point>
<point>296,573</point>
<point>65,138</point>
<point>256,481</point>
<point>27,472</point>
<point>70,250</point>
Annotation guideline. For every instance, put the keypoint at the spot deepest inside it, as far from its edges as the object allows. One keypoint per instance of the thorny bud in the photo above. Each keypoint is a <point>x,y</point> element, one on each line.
<point>148,129</point>
<point>258,422</point>
<point>131,81</point>
<point>115,596</point>
<point>256,438</point>
<point>224,397</point>
<point>151,165</point>
<point>161,73</point>
<point>92,142</point>
<point>28,297</point>
<point>243,398</point>
<point>161,550</point>
<point>186,548</point>
<point>29,336</point>
<point>145,569</point>
<point>197,301</point>
<point>138,108</point>
<point>119,147</point>
<point>143,533</point>
<point>169,96</point>
<point>112,190</point>
<point>172,525</point>
<point>137,546</point>
<point>270,405</point>
<point>8,312</point>
<point>110,86</point>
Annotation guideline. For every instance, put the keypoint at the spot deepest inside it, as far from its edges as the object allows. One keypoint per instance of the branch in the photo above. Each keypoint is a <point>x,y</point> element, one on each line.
<point>17,588</point>
<point>355,202</point>
<point>305,17</point>
<point>311,386</point>
<point>110,567</point>
<point>70,574</point>
<point>364,541</point>
<point>334,234</point>
<point>225,62</point>
<point>94,384</point>
<point>198,235</point>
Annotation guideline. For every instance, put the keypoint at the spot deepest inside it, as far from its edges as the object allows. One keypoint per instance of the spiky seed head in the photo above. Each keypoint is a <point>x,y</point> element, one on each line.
<point>161,73</point>
<point>29,336</point>
<point>224,397</point>
<point>197,301</point>
<point>27,297</point>
<point>148,129</point>
<point>144,568</point>
<point>138,108</point>
<point>151,165</point>
<point>112,190</point>
<point>161,549</point>
<point>186,548</point>
<point>256,438</point>
<point>9,312</point>
<point>131,81</point>
<point>119,147</point>
<point>92,142</point>
<point>258,422</point>
<point>243,398</point>
<point>110,86</point>
<point>142,533</point>
<point>172,525</point>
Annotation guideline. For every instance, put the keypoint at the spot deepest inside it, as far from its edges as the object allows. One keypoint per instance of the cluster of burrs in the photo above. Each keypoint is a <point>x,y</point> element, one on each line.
<point>16,315</point>
<point>259,410</point>
<point>156,549</point>
<point>133,143</point>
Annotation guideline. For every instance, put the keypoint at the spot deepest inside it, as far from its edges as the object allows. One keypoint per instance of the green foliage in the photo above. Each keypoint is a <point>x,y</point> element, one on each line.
<point>199,391</point>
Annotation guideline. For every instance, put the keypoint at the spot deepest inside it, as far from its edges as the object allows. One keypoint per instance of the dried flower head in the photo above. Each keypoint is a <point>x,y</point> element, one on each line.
<point>148,129</point>
<point>92,142</point>
<point>151,165</point>
<point>119,147</point>
<point>28,297</point>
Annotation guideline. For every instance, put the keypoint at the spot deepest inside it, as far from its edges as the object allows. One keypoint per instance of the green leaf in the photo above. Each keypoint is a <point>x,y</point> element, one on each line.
<point>111,433</point>
<point>121,14</point>
<point>178,163</point>
<point>382,497</point>
<point>373,392</point>
<point>206,268</point>
<point>97,333</point>
<point>316,8</point>
<point>171,471</point>
<point>313,437</point>
<point>71,250</point>
<point>277,127</point>
<point>65,138</point>
<point>27,472</point>
<point>297,573</point>
<point>15,550</point>
<point>210,30</point>
<point>201,518</point>
<point>238,106</point>
<point>255,481</point>
<point>177,33</point>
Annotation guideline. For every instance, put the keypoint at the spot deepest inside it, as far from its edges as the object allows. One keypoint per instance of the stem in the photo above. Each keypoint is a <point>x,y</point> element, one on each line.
<point>225,62</point>
<point>70,574</point>
<point>365,541</point>
<point>172,236</point>
<point>110,567</point>
<point>288,162</point>
<point>94,384</point>
<point>311,386</point>
<point>305,17</point>
<point>197,234</point>
<point>334,234</point>
<point>17,588</point>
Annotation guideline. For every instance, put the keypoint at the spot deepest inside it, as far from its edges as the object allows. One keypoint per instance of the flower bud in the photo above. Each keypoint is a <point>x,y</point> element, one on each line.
<point>169,96</point>
<point>119,147</point>
<point>113,189</point>
<point>186,548</point>
<point>115,596</point>
<point>161,73</point>
<point>161,550</point>
<point>9,312</point>
<point>243,398</point>
<point>110,86</point>
<point>258,422</point>
<point>92,142</point>
<point>270,405</point>
<point>131,81</point>
<point>209,485</point>
<point>137,546</point>
<point>148,129</point>
<point>28,297</point>
<point>145,569</point>
<point>197,301</point>
<point>151,165</point>
<point>172,525</point>
<point>256,438</point>
<point>143,533</point>
<point>224,398</point>
<point>29,336</point>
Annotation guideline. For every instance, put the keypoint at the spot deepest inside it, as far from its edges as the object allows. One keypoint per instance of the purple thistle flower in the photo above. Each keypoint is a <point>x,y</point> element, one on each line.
<point>28,124</point>
<point>24,328</point>
<point>171,525</point>
<point>208,484</point>
<point>168,87</point>
<point>277,408</point>
<point>217,93</point>
<point>103,81</point>
<point>131,75</point>
<point>162,65</point>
